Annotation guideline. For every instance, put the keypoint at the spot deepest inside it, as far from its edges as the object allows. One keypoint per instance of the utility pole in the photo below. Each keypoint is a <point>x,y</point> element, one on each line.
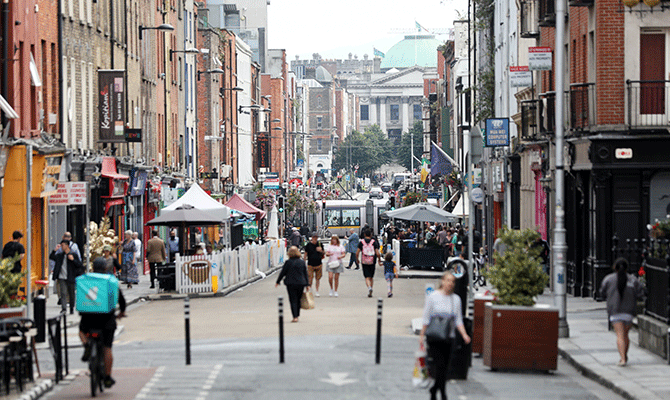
<point>560,248</point>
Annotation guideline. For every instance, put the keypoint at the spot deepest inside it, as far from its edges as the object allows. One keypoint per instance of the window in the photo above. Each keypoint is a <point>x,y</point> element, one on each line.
<point>365,112</point>
<point>417,112</point>
<point>319,144</point>
<point>395,112</point>
<point>318,102</point>
<point>188,94</point>
<point>351,217</point>
<point>332,218</point>
<point>319,123</point>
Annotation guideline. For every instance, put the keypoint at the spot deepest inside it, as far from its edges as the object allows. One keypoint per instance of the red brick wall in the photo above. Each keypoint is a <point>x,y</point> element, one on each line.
<point>47,61</point>
<point>609,59</point>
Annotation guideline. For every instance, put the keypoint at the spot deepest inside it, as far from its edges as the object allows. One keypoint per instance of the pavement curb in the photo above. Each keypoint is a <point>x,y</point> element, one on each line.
<point>589,373</point>
<point>38,390</point>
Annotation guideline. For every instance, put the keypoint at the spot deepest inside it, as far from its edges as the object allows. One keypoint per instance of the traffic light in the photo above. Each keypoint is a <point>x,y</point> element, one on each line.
<point>280,204</point>
<point>392,202</point>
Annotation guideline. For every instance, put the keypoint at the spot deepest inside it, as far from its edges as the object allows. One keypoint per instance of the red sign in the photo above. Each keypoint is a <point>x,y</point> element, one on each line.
<point>539,49</point>
<point>263,148</point>
<point>69,193</point>
<point>521,68</point>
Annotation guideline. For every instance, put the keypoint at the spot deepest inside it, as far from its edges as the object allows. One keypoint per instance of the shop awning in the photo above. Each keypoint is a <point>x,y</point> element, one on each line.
<point>111,203</point>
<point>238,203</point>
<point>109,169</point>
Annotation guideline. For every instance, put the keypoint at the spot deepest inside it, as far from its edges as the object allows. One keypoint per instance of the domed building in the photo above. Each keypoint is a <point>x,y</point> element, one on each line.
<point>413,50</point>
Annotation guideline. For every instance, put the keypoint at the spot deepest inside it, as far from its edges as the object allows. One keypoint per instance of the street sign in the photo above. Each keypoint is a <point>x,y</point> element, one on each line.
<point>497,132</point>
<point>539,58</point>
<point>69,193</point>
<point>520,76</point>
<point>300,163</point>
<point>477,195</point>
<point>271,180</point>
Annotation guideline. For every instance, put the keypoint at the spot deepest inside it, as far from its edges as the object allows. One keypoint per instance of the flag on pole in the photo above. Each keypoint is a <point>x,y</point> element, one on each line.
<point>378,53</point>
<point>420,27</point>
<point>424,169</point>
<point>440,162</point>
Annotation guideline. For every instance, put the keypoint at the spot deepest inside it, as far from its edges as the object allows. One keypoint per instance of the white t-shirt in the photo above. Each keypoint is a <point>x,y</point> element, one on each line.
<point>437,303</point>
<point>336,252</point>
<point>138,250</point>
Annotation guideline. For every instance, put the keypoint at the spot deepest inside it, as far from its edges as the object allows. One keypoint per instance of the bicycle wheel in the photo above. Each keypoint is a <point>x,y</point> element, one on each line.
<point>93,368</point>
<point>101,368</point>
<point>328,234</point>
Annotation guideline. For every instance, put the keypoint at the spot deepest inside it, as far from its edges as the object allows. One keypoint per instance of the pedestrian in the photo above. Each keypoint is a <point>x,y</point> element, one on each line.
<point>543,247</point>
<point>67,267</point>
<point>294,273</point>
<point>390,271</point>
<point>173,244</point>
<point>139,259</point>
<point>352,247</point>
<point>129,273</point>
<point>111,262</point>
<point>74,248</point>
<point>368,248</point>
<point>295,237</point>
<point>335,253</point>
<point>622,290</point>
<point>499,248</point>
<point>314,254</point>
<point>443,303</point>
<point>155,255</point>
<point>14,248</point>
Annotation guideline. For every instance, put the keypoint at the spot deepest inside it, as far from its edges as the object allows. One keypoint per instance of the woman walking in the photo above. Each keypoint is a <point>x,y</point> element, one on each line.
<point>442,303</point>
<point>335,254</point>
<point>129,273</point>
<point>621,290</point>
<point>294,273</point>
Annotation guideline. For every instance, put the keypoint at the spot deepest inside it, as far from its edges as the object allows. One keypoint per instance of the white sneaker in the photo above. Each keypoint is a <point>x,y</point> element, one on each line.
<point>336,295</point>
<point>316,294</point>
<point>331,293</point>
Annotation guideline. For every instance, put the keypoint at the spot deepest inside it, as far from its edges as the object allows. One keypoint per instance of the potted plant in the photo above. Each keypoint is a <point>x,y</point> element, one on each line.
<point>517,333</point>
<point>11,304</point>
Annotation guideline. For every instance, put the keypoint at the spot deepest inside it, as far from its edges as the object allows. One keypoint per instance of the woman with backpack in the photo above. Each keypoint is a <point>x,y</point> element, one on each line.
<point>368,249</point>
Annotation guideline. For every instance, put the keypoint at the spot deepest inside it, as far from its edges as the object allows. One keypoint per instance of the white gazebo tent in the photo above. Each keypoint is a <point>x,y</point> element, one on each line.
<point>199,199</point>
<point>462,209</point>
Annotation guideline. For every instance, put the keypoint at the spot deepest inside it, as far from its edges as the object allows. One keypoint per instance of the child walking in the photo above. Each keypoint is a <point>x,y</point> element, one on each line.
<point>389,271</point>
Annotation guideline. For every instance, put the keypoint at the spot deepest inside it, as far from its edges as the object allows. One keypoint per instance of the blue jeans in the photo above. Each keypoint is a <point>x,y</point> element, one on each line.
<point>352,260</point>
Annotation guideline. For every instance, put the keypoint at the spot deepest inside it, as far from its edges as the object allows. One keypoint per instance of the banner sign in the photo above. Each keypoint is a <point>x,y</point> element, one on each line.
<point>133,135</point>
<point>539,58</point>
<point>497,132</point>
<point>520,76</point>
<point>69,193</point>
<point>263,148</point>
<point>111,105</point>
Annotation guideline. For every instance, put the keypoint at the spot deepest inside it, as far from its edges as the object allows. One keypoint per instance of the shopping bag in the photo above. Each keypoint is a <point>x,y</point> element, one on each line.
<point>307,301</point>
<point>421,378</point>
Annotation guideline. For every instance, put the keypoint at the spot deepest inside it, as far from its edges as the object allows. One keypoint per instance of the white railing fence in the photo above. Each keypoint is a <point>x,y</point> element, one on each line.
<point>194,274</point>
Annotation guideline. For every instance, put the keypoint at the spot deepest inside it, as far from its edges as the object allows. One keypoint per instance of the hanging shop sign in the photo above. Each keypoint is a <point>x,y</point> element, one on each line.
<point>497,132</point>
<point>111,108</point>
<point>69,194</point>
<point>539,58</point>
<point>263,147</point>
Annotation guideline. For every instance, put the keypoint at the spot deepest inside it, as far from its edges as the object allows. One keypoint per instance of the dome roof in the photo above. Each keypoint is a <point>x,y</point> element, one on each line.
<point>413,50</point>
<point>322,75</point>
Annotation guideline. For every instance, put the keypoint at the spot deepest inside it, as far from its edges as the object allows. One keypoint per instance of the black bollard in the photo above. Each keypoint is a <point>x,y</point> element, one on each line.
<point>65,348</point>
<point>39,312</point>
<point>281,329</point>
<point>187,326</point>
<point>378,350</point>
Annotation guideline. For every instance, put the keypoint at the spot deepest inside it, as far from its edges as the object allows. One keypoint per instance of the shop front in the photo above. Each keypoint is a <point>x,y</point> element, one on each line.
<point>112,190</point>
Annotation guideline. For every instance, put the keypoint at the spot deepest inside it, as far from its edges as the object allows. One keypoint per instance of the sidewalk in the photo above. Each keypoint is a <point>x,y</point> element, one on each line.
<point>591,348</point>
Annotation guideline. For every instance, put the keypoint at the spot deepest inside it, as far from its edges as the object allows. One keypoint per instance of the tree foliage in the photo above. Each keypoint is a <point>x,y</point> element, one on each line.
<point>516,273</point>
<point>369,150</point>
<point>9,283</point>
<point>404,152</point>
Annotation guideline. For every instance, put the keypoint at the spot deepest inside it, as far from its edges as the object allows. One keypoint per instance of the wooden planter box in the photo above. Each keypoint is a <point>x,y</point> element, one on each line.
<point>518,337</point>
<point>11,312</point>
<point>478,323</point>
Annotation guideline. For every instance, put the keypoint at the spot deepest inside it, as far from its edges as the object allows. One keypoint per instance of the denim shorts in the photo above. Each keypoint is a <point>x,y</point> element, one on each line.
<point>389,276</point>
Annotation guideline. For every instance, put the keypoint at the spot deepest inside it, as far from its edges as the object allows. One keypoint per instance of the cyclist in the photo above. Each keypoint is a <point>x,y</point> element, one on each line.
<point>106,323</point>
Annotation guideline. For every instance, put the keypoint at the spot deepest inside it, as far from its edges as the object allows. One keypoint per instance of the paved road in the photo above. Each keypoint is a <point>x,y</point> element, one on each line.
<point>329,354</point>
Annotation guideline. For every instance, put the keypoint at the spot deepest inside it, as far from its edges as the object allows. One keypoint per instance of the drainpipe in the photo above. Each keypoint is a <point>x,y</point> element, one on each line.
<point>4,52</point>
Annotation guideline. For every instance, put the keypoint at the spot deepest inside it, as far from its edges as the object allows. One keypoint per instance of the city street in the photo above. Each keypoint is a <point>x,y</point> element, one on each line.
<point>329,354</point>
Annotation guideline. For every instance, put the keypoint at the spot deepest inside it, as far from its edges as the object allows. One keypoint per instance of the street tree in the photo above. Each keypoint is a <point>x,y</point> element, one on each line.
<point>404,153</point>
<point>365,150</point>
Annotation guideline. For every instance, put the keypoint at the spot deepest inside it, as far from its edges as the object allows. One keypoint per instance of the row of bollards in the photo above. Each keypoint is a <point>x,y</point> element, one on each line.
<point>378,343</point>
<point>187,328</point>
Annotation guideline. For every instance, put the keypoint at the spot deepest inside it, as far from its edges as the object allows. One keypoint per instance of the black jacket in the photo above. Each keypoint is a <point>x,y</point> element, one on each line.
<point>295,272</point>
<point>74,267</point>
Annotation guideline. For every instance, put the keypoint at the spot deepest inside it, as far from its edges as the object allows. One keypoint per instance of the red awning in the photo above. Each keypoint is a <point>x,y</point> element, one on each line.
<point>109,169</point>
<point>111,203</point>
<point>238,203</point>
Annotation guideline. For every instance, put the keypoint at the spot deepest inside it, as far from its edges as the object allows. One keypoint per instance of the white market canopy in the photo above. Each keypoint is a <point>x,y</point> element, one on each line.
<point>199,199</point>
<point>462,208</point>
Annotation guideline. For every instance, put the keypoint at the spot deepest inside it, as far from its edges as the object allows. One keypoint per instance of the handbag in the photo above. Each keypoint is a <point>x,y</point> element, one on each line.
<point>307,301</point>
<point>334,264</point>
<point>439,327</point>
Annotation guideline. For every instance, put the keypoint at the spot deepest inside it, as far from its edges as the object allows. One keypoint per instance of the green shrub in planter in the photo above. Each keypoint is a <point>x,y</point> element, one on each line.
<point>9,283</point>
<point>517,274</point>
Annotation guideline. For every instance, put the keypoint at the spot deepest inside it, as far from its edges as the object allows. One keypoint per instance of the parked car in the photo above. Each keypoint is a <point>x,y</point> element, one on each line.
<point>386,187</point>
<point>376,193</point>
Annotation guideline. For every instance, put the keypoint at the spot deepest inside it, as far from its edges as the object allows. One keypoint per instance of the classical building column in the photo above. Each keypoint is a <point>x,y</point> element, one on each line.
<point>372,112</point>
<point>382,114</point>
<point>405,113</point>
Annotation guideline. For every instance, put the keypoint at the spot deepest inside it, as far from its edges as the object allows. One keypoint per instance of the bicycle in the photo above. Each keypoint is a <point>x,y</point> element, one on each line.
<point>478,278</point>
<point>96,362</point>
<point>324,232</point>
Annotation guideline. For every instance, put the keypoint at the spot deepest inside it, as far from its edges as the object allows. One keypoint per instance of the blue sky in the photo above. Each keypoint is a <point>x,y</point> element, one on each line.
<point>335,28</point>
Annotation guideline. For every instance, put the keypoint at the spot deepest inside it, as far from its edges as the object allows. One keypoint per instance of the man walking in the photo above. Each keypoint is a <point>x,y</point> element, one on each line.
<point>14,248</point>
<point>314,253</point>
<point>155,255</point>
<point>68,267</point>
<point>352,248</point>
